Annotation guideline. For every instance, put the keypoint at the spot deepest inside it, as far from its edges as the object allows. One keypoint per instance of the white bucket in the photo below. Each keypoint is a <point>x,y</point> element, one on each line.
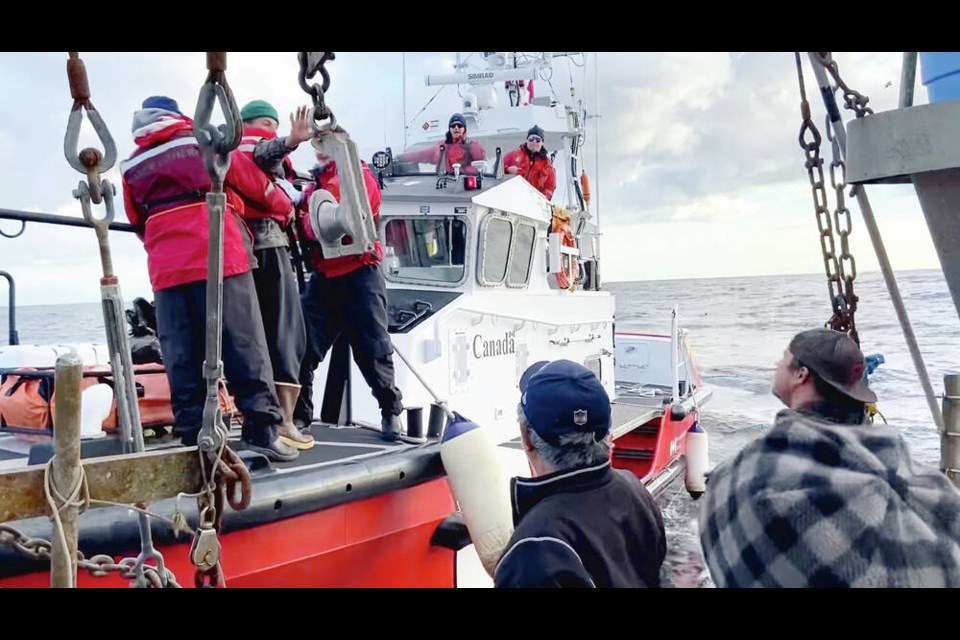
<point>95,404</point>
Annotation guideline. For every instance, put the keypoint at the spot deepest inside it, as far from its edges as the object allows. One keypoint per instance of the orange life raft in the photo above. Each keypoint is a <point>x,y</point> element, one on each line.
<point>27,401</point>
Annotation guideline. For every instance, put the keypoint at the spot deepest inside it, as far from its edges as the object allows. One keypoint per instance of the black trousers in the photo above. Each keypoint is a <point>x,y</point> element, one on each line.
<point>354,304</point>
<point>279,298</point>
<point>181,327</point>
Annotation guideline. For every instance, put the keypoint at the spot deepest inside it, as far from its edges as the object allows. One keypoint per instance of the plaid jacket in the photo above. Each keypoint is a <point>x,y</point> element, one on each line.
<point>817,504</point>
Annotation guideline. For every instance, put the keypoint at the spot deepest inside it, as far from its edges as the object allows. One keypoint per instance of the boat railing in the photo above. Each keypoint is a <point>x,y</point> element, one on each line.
<point>11,308</point>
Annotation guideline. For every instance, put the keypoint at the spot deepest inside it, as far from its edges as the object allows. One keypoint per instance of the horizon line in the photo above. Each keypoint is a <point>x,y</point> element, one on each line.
<point>602,282</point>
<point>761,275</point>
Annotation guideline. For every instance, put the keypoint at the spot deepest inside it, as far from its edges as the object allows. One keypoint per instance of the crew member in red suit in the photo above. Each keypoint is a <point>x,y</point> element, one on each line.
<point>348,295</point>
<point>165,183</point>
<point>459,149</point>
<point>531,161</point>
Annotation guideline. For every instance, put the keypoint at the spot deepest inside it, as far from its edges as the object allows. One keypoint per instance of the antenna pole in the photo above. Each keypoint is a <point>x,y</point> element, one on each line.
<point>596,138</point>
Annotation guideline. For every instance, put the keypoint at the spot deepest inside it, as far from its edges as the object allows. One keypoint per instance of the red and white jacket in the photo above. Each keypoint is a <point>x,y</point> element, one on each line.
<point>538,170</point>
<point>329,180</point>
<point>164,189</point>
<point>253,210</point>
<point>462,153</point>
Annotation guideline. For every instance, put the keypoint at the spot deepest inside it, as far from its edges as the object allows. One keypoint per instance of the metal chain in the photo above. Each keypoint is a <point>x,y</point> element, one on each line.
<point>810,143</point>
<point>310,63</point>
<point>220,484</point>
<point>98,566</point>
<point>235,477</point>
<point>852,99</point>
<point>847,265</point>
<point>33,548</point>
<point>856,102</point>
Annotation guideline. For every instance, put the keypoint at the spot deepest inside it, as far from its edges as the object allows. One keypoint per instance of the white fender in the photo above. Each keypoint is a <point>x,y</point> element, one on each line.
<point>698,461</point>
<point>480,486</point>
<point>95,404</point>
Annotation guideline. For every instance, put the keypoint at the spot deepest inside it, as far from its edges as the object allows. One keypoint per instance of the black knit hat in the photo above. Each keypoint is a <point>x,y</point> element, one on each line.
<point>536,131</point>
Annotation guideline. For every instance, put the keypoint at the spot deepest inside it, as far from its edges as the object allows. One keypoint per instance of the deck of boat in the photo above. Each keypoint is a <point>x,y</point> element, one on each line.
<point>334,444</point>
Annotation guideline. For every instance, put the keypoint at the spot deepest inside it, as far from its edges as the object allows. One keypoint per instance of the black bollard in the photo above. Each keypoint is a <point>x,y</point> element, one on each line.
<point>415,423</point>
<point>438,418</point>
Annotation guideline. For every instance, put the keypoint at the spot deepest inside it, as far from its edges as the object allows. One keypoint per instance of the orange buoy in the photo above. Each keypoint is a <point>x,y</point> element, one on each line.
<point>585,184</point>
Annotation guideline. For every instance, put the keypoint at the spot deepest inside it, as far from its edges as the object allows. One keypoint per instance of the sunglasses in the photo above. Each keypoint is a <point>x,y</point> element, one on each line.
<point>456,126</point>
<point>534,139</point>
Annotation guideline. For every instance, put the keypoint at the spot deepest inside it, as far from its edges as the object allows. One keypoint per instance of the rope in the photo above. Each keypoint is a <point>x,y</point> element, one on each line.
<point>54,499</point>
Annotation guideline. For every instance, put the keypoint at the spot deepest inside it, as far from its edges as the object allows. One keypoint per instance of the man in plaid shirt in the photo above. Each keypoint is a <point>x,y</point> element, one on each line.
<point>824,498</point>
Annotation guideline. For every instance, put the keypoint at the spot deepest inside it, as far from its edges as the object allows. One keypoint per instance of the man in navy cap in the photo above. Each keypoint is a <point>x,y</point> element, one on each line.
<point>578,522</point>
<point>824,498</point>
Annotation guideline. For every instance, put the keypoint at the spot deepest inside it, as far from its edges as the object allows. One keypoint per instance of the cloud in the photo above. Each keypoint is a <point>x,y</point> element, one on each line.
<point>700,168</point>
<point>685,125</point>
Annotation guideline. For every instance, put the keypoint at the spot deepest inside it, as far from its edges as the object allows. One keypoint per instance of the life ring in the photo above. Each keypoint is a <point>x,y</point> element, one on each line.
<point>566,279</point>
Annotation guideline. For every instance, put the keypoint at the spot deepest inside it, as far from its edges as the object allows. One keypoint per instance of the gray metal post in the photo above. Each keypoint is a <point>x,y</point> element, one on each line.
<point>908,78</point>
<point>12,310</point>
<point>67,472</point>
<point>950,436</point>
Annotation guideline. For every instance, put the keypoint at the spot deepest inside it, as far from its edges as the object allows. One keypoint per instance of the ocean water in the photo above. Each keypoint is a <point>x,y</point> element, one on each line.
<point>738,328</point>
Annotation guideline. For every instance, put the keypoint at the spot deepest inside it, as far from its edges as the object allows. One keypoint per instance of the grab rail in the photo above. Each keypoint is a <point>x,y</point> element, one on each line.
<point>67,221</point>
<point>12,324</point>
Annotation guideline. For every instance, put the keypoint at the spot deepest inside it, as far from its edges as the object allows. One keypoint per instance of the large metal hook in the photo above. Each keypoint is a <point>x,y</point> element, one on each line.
<point>90,162</point>
<point>217,142</point>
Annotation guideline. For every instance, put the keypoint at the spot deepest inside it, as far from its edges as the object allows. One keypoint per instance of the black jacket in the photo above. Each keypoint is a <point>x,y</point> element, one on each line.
<point>586,527</point>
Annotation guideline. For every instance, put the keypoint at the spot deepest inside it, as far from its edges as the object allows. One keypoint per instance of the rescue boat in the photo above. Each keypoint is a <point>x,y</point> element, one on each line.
<point>485,276</point>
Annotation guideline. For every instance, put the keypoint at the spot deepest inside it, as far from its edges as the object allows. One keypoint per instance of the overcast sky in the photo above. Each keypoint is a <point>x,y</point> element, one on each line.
<point>700,170</point>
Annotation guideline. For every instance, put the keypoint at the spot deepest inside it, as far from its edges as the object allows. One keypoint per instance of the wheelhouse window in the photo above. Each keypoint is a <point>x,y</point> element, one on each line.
<point>425,248</point>
<point>522,257</point>
<point>497,236</point>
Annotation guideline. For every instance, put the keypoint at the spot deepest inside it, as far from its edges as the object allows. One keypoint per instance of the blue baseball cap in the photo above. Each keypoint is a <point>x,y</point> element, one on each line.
<point>532,369</point>
<point>161,102</point>
<point>562,397</point>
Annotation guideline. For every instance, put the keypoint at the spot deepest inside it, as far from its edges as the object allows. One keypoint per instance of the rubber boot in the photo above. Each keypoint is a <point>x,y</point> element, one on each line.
<point>289,434</point>
<point>390,428</point>
<point>277,450</point>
